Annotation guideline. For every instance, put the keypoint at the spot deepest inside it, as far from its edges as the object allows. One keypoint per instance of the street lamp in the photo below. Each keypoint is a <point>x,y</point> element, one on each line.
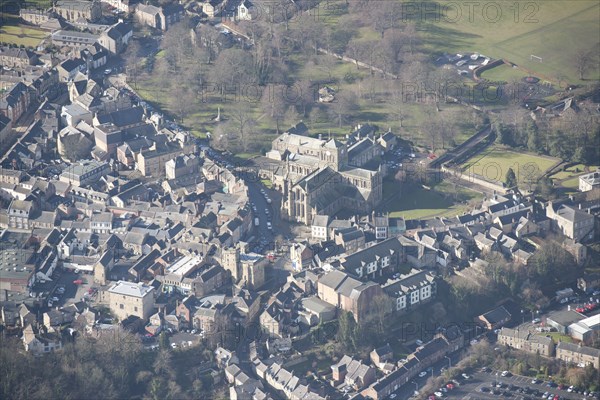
<point>449,362</point>
<point>416,386</point>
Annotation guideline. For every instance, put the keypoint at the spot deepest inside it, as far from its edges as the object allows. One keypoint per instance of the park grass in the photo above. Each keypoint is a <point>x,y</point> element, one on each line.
<point>493,164</point>
<point>556,31</point>
<point>504,73</point>
<point>22,35</point>
<point>442,200</point>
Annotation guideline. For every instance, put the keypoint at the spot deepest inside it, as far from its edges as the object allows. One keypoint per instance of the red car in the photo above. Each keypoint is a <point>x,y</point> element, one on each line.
<point>78,281</point>
<point>450,386</point>
<point>580,309</point>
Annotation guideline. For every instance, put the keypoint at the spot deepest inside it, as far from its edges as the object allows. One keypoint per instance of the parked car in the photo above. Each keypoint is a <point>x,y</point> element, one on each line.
<point>422,374</point>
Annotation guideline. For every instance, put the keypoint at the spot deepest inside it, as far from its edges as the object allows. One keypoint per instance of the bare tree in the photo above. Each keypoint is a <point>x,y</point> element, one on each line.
<point>274,102</point>
<point>182,102</point>
<point>242,122</point>
<point>343,107</point>
<point>132,61</point>
<point>232,68</point>
<point>583,62</point>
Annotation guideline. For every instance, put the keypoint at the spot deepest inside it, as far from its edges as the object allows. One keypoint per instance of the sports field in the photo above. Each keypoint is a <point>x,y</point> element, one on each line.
<point>553,30</point>
<point>493,164</point>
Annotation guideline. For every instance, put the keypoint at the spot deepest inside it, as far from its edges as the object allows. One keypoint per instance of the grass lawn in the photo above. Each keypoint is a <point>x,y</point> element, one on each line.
<point>21,35</point>
<point>267,182</point>
<point>494,163</point>
<point>572,171</point>
<point>556,336</point>
<point>443,200</point>
<point>504,73</point>
<point>553,30</point>
<point>572,183</point>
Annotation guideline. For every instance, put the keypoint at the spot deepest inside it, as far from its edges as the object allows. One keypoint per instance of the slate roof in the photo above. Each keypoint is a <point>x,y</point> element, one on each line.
<point>589,351</point>
<point>497,315</point>
<point>123,118</point>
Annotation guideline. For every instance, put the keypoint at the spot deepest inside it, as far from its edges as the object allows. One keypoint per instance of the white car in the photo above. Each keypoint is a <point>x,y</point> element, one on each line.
<point>393,396</point>
<point>269,226</point>
<point>422,374</point>
<point>506,373</point>
<point>466,376</point>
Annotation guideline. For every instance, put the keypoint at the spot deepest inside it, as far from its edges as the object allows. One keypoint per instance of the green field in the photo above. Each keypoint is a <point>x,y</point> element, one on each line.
<point>493,164</point>
<point>553,30</point>
<point>442,200</point>
<point>504,73</point>
<point>21,35</point>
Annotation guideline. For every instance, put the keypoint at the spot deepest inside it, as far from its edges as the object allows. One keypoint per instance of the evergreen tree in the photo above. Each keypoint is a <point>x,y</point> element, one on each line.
<point>511,179</point>
<point>533,138</point>
<point>347,331</point>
